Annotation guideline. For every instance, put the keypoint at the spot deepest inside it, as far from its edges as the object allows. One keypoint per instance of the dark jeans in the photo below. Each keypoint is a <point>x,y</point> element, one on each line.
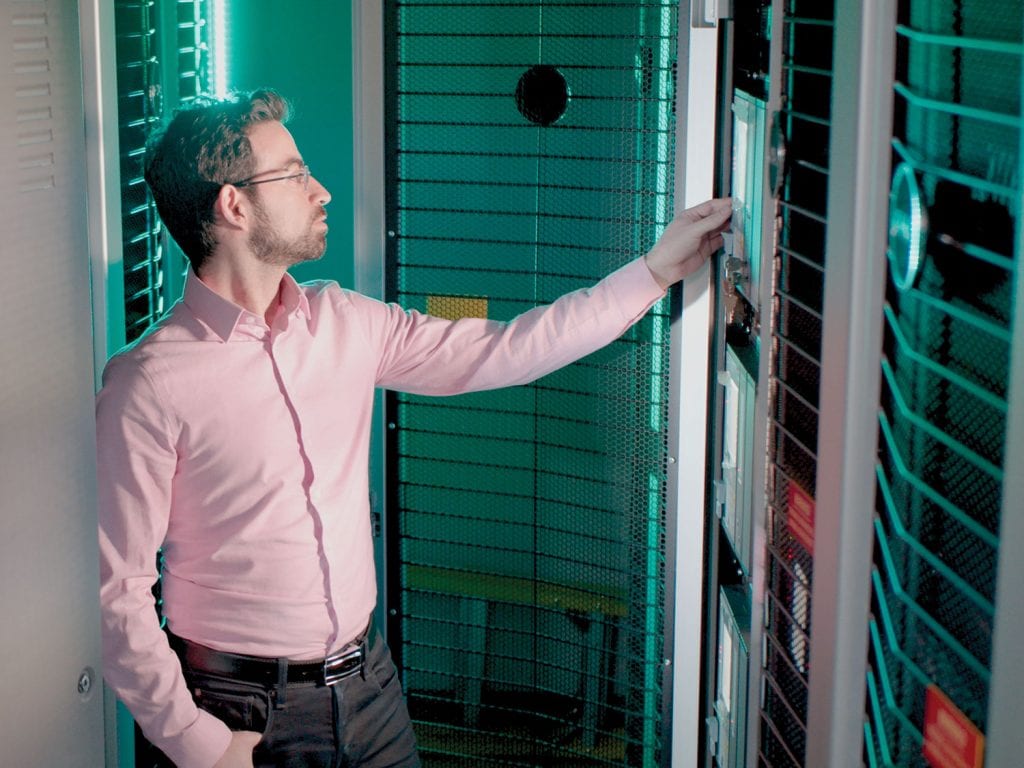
<point>361,722</point>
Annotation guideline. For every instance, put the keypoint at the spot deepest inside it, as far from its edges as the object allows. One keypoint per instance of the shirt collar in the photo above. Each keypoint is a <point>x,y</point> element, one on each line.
<point>293,297</point>
<point>223,316</point>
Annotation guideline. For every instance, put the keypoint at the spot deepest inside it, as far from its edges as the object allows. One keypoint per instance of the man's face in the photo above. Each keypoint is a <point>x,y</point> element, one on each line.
<point>289,224</point>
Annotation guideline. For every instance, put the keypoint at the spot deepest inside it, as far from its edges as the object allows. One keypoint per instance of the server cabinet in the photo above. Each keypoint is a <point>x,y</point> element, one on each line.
<point>778,315</point>
<point>946,362</point>
<point>892,295</point>
<point>528,152</point>
<point>816,338</point>
<point>750,99</point>
<point>50,638</point>
<point>797,396</point>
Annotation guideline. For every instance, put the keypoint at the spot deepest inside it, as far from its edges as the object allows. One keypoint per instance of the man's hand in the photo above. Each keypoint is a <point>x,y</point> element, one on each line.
<point>239,754</point>
<point>689,240</point>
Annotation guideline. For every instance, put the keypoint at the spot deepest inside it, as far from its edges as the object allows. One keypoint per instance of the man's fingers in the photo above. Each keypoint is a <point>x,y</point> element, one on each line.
<point>715,221</point>
<point>709,214</point>
<point>689,240</point>
<point>713,206</point>
<point>721,210</point>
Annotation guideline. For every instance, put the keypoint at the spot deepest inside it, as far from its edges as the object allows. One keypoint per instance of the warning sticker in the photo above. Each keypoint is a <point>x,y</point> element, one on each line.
<point>800,516</point>
<point>950,739</point>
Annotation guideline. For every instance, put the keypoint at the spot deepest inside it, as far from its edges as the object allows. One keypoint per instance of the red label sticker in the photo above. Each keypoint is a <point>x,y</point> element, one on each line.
<point>950,739</point>
<point>800,517</point>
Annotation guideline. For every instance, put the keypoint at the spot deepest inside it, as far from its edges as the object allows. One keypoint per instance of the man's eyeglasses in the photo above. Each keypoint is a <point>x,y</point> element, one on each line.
<point>303,174</point>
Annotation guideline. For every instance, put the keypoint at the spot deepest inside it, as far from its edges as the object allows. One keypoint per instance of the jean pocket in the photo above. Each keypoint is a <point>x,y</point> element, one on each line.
<point>241,706</point>
<point>381,666</point>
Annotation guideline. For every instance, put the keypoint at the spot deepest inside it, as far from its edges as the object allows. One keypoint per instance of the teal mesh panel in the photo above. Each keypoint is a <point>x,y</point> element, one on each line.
<point>529,567</point>
<point>944,373</point>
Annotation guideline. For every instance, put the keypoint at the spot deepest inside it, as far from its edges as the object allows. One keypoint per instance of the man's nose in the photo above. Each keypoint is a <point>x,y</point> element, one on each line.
<point>319,191</point>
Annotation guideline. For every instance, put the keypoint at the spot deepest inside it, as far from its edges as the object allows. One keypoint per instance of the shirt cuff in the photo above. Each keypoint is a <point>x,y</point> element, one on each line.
<point>200,745</point>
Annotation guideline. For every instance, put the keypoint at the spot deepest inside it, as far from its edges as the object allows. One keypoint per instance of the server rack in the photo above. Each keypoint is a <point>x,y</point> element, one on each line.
<point>904,614</point>
<point>529,151</point>
<point>752,117</point>
<point>854,282</point>
<point>826,659</point>
<point>831,69</point>
<point>946,365</point>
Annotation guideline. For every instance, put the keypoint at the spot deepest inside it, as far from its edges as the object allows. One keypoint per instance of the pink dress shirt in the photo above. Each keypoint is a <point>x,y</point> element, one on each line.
<point>242,450</point>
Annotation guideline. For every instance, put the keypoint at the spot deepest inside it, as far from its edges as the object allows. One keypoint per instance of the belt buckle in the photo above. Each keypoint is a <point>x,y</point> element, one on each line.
<point>342,665</point>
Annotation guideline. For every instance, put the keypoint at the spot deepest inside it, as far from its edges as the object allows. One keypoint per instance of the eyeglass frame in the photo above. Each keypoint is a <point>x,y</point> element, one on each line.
<point>250,183</point>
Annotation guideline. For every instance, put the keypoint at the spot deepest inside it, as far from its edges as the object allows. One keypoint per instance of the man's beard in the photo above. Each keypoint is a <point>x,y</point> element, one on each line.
<point>270,248</point>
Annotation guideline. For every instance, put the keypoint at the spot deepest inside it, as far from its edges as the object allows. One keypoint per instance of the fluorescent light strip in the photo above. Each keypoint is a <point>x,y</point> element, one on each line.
<point>219,44</point>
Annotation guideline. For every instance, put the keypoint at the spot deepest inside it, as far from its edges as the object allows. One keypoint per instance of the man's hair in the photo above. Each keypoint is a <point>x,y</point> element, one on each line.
<point>205,146</point>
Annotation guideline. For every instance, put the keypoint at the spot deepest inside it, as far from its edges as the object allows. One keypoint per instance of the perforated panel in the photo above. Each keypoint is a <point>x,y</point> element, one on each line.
<point>944,375</point>
<point>530,556</point>
<point>796,354</point>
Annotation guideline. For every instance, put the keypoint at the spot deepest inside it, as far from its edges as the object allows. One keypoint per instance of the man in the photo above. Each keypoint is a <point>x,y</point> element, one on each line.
<point>235,435</point>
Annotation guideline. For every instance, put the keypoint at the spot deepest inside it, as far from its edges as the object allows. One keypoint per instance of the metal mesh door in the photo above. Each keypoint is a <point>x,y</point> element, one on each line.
<point>795,376</point>
<point>529,153</point>
<point>944,376</point>
<point>161,61</point>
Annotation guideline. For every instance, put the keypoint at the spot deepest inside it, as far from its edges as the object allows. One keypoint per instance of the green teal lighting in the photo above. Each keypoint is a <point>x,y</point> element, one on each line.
<point>219,45</point>
<point>657,373</point>
<point>908,226</point>
<point>652,650</point>
<point>659,182</point>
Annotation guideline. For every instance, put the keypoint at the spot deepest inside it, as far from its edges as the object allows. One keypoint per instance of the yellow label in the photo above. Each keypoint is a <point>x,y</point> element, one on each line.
<point>456,307</point>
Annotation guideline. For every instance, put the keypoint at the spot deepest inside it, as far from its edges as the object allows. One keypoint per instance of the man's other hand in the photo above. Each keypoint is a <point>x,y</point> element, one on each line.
<point>239,754</point>
<point>689,240</point>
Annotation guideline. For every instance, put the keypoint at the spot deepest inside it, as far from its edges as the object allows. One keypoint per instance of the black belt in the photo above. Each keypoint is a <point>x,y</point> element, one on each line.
<point>270,672</point>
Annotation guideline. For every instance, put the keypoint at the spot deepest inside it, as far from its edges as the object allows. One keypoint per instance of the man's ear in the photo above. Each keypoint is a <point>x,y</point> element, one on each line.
<point>232,207</point>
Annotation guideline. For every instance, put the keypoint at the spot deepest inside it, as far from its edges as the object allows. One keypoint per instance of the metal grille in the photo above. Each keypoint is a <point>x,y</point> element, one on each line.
<point>161,62</point>
<point>191,49</point>
<point>138,82</point>
<point>806,93</point>
<point>944,373</point>
<point>530,556</point>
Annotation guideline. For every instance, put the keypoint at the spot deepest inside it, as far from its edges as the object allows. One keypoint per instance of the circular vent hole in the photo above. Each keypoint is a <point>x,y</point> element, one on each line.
<point>542,94</point>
